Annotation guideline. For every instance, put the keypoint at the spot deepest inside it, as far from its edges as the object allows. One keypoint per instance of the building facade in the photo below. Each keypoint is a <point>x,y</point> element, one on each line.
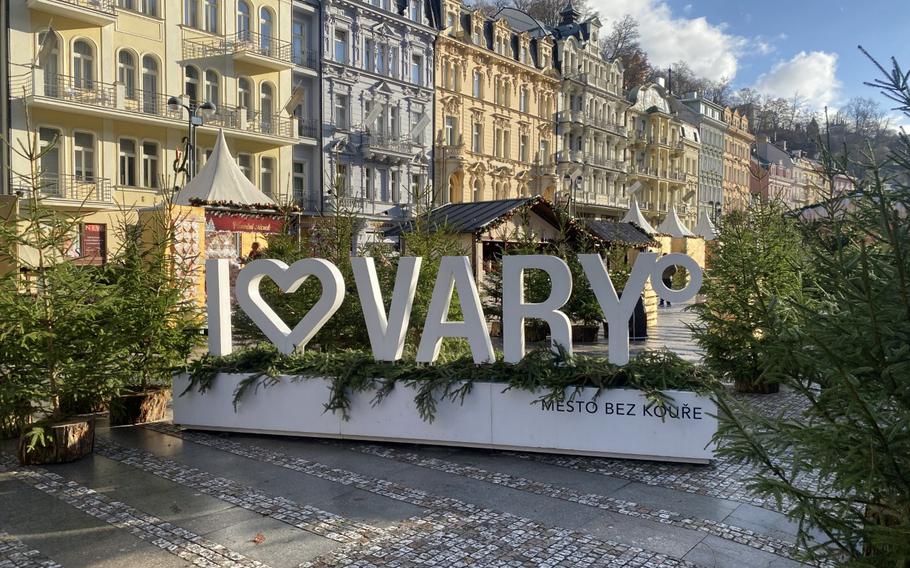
<point>782,183</point>
<point>658,176</point>
<point>738,143</point>
<point>496,94</point>
<point>377,91</point>
<point>710,120</point>
<point>591,120</point>
<point>92,81</point>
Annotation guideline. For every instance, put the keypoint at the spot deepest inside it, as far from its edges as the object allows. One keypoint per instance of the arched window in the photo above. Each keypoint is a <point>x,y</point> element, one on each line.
<point>149,84</point>
<point>191,83</point>
<point>126,72</point>
<point>478,191</point>
<point>454,196</point>
<point>244,94</point>
<point>265,106</point>
<point>523,100</point>
<point>244,25</point>
<point>212,90</point>
<point>83,65</point>
<point>266,25</point>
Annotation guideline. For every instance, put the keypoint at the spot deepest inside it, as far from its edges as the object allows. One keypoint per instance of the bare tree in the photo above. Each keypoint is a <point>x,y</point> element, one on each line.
<point>622,43</point>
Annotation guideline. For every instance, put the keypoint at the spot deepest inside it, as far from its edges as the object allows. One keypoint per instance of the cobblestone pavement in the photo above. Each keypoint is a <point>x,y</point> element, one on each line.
<point>159,497</point>
<point>14,554</point>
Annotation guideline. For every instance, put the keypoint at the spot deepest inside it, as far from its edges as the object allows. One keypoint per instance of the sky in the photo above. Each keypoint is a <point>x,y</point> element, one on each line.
<point>780,47</point>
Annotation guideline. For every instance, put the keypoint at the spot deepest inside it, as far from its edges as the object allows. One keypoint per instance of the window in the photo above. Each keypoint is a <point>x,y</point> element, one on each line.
<point>416,185</point>
<point>342,180</point>
<point>127,162</point>
<point>49,140</point>
<point>382,64</point>
<point>394,57</point>
<point>126,72</point>
<point>369,54</point>
<point>191,13</point>
<point>369,182</point>
<point>478,84</point>
<point>384,186</point>
<point>191,84</point>
<point>341,46</point>
<point>475,34</point>
<point>84,156</point>
<point>417,69</point>
<point>150,174</point>
<point>267,176</point>
<point>394,186</point>
<point>450,23</point>
<point>394,123</point>
<point>298,182</point>
<point>245,163</point>
<point>477,138</point>
<point>211,87</point>
<point>244,94</point>
<point>265,106</point>
<point>266,31</point>
<point>497,142</point>
<point>414,11</point>
<point>341,112</point>
<point>523,100</point>
<point>523,148</point>
<point>83,65</point>
<point>478,191</point>
<point>150,101</point>
<point>211,16</point>
<point>126,4</point>
<point>544,152</point>
<point>450,130</point>
<point>506,143</point>
<point>298,42</point>
<point>243,20</point>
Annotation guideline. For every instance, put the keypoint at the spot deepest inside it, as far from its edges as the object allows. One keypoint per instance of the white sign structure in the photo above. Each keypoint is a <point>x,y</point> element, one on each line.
<point>618,423</point>
<point>387,330</point>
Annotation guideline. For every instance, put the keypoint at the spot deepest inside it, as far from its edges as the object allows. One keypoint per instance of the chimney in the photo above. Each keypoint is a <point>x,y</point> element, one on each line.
<point>662,82</point>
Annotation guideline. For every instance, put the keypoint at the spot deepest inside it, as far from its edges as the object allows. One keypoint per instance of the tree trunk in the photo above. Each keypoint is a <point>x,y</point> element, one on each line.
<point>64,442</point>
<point>138,408</point>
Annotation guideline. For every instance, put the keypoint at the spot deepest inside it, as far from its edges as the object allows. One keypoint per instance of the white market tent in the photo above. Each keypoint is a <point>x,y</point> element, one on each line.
<point>634,215</point>
<point>705,228</point>
<point>673,226</point>
<point>222,181</point>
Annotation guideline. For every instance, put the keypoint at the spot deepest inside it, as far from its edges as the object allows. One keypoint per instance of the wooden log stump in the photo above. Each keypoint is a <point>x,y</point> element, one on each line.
<point>64,442</point>
<point>138,408</point>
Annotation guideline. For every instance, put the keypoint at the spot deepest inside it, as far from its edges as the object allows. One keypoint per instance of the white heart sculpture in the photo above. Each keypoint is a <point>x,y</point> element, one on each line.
<point>289,279</point>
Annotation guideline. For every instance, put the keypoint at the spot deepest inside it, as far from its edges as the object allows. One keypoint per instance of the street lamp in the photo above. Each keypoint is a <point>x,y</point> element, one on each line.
<point>194,121</point>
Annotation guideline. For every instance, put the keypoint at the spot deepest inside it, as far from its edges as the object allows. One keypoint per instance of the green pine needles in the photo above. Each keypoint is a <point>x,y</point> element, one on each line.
<point>554,375</point>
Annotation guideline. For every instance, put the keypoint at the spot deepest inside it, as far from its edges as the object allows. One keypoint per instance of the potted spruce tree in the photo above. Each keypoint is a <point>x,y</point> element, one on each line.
<point>156,322</point>
<point>54,344</point>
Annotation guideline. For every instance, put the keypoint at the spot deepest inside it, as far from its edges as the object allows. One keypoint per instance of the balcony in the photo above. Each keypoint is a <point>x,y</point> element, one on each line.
<point>307,127</point>
<point>305,58</point>
<point>70,189</point>
<point>95,12</point>
<point>576,116</point>
<point>387,148</point>
<point>608,163</point>
<point>111,100</point>
<point>564,156</point>
<point>607,125</point>
<point>644,171</point>
<point>677,177</point>
<point>249,47</point>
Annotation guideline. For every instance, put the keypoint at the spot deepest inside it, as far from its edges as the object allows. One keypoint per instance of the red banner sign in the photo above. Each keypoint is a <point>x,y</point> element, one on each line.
<point>244,223</point>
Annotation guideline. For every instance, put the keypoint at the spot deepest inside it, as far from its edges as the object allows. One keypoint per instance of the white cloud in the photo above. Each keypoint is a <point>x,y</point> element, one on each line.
<point>709,49</point>
<point>810,75</point>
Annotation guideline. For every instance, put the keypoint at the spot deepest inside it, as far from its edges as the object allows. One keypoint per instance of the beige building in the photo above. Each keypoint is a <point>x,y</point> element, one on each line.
<point>738,142</point>
<point>496,93</point>
<point>809,179</point>
<point>93,78</point>
<point>591,121</point>
<point>660,177</point>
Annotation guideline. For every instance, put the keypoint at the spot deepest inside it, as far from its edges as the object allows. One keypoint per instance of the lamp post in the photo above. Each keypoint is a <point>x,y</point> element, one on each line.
<point>194,121</point>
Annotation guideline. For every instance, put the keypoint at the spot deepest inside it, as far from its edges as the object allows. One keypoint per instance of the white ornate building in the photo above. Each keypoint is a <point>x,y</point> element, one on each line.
<point>591,122</point>
<point>377,104</point>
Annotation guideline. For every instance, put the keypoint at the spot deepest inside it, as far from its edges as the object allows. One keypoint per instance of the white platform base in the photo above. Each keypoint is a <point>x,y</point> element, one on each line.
<point>619,423</point>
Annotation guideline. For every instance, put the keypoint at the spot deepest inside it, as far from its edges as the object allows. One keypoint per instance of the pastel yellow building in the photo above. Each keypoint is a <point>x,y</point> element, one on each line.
<point>809,179</point>
<point>738,142</point>
<point>496,93</point>
<point>659,174</point>
<point>92,79</point>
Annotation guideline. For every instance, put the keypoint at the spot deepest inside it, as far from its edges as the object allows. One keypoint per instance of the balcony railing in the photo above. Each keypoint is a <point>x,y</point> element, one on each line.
<point>605,124</point>
<point>306,127</point>
<point>104,6</point>
<point>98,12</point>
<point>243,43</point>
<point>66,186</point>
<point>569,156</point>
<point>304,58</point>
<point>644,171</point>
<point>387,143</point>
<point>242,119</point>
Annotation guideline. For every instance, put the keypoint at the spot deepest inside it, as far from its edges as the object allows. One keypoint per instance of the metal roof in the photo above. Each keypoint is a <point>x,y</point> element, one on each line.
<point>620,233</point>
<point>469,217</point>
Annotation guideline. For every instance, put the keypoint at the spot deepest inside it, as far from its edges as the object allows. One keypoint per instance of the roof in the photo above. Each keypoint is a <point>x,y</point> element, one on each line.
<point>469,217</point>
<point>704,228</point>
<point>220,181</point>
<point>620,233</point>
<point>634,215</point>
<point>673,226</point>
